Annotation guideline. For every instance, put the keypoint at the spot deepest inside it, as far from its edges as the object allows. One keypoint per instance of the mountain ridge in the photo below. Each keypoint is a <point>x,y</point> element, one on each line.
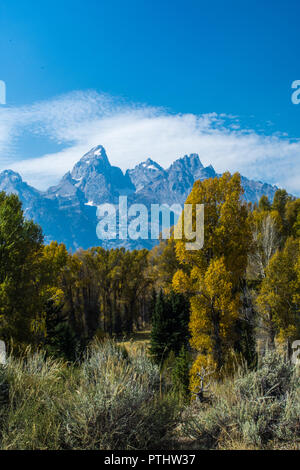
<point>67,211</point>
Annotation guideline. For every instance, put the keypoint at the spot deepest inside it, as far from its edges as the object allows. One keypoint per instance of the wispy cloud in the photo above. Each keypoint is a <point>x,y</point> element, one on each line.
<point>132,132</point>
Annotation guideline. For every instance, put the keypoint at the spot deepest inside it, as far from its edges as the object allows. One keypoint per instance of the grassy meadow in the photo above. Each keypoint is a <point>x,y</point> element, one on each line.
<point>117,398</point>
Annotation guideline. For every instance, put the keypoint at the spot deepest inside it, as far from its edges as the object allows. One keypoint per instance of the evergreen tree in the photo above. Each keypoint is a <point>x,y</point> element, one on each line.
<point>169,325</point>
<point>245,343</point>
<point>61,341</point>
<point>180,373</point>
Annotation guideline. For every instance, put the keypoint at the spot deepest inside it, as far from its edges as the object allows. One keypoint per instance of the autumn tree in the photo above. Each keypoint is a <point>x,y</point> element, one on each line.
<point>285,210</point>
<point>81,294</point>
<point>292,215</point>
<point>264,204</point>
<point>213,274</point>
<point>20,254</point>
<point>57,336</point>
<point>266,229</point>
<point>106,291</point>
<point>278,299</point>
<point>164,263</point>
<point>280,200</point>
<point>135,282</point>
<point>30,277</point>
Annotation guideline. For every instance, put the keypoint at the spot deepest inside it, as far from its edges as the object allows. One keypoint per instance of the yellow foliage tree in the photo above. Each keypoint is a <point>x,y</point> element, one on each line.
<point>214,309</point>
<point>52,261</point>
<point>163,264</point>
<point>278,300</point>
<point>227,230</point>
<point>213,274</point>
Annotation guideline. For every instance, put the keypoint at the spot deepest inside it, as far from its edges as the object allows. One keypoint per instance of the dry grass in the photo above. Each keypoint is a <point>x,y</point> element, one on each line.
<point>110,401</point>
<point>116,399</point>
<point>254,410</point>
<point>139,341</point>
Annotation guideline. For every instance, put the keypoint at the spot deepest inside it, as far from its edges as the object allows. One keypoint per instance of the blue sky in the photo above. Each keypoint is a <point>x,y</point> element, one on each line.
<point>152,78</point>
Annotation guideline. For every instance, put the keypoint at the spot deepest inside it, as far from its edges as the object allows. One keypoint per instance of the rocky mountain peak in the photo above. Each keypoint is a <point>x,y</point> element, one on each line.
<point>190,163</point>
<point>95,161</point>
<point>11,182</point>
<point>10,176</point>
<point>145,173</point>
<point>96,153</point>
<point>151,165</point>
<point>67,211</point>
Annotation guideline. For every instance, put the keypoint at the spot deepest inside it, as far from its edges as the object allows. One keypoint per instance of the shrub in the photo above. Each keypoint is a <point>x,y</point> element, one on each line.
<point>258,409</point>
<point>116,405</point>
<point>109,401</point>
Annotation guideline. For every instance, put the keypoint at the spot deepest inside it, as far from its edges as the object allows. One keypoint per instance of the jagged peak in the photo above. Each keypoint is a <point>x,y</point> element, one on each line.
<point>192,159</point>
<point>67,176</point>
<point>12,175</point>
<point>96,153</point>
<point>94,160</point>
<point>150,164</point>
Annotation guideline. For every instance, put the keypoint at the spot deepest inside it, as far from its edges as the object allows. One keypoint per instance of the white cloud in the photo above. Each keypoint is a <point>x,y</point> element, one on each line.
<point>131,133</point>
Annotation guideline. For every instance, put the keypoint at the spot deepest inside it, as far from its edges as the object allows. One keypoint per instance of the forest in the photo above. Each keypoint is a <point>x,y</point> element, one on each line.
<point>218,368</point>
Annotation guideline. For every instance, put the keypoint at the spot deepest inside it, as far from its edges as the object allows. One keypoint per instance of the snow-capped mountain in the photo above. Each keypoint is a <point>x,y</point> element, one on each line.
<point>67,211</point>
<point>145,173</point>
<point>174,184</point>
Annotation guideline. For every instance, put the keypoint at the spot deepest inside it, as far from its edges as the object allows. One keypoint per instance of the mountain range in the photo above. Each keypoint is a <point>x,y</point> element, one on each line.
<point>67,211</point>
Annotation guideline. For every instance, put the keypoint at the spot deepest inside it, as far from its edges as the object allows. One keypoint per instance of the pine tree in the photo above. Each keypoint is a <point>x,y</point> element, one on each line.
<point>159,330</point>
<point>169,325</point>
<point>180,373</point>
<point>61,341</point>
